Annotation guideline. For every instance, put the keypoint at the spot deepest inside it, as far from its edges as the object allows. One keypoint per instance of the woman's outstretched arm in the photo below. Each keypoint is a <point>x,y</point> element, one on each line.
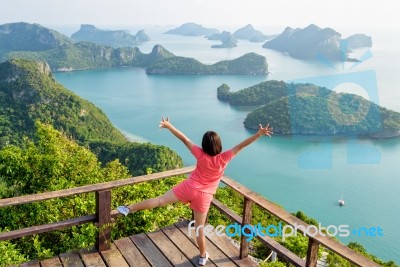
<point>261,131</point>
<point>164,123</point>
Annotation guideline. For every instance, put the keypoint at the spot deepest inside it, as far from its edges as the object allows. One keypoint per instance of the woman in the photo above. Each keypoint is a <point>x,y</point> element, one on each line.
<point>202,183</point>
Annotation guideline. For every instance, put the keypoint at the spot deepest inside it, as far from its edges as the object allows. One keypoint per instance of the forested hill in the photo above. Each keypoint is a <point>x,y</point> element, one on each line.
<point>85,55</point>
<point>29,93</point>
<point>248,64</point>
<point>312,110</point>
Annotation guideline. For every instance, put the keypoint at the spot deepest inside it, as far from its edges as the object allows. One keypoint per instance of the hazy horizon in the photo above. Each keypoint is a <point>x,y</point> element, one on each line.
<point>339,14</point>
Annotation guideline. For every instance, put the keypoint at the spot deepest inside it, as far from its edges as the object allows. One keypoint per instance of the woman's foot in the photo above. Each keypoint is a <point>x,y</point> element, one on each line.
<point>203,259</point>
<point>123,210</point>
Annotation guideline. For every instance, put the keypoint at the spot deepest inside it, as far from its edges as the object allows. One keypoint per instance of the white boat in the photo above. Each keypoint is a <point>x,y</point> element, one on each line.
<point>341,201</point>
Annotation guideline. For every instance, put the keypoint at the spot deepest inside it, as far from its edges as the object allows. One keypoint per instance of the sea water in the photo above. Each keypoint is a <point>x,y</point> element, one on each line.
<point>298,173</point>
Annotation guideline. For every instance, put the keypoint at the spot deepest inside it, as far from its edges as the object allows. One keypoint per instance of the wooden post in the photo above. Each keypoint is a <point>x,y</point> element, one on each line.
<point>103,211</point>
<point>312,253</point>
<point>247,213</point>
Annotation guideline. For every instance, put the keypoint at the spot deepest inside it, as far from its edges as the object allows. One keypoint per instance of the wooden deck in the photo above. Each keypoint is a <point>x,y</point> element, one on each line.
<point>170,246</point>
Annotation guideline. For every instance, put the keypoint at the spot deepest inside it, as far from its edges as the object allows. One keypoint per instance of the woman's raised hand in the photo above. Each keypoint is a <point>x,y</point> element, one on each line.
<point>164,123</point>
<point>265,131</point>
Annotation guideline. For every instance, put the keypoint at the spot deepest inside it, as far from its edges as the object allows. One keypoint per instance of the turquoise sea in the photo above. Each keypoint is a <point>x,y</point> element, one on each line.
<point>299,173</point>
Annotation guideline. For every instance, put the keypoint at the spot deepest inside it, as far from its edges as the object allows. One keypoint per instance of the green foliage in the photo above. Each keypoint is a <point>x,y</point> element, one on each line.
<point>302,216</point>
<point>85,55</point>
<point>179,65</point>
<point>223,92</point>
<point>297,244</point>
<point>9,254</point>
<point>251,64</point>
<point>138,157</point>
<point>259,94</point>
<point>273,264</point>
<point>55,162</point>
<point>28,92</point>
<point>333,260</point>
<point>309,109</point>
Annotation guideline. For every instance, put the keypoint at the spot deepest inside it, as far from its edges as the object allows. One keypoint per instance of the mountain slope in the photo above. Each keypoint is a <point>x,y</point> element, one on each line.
<point>28,92</point>
<point>23,36</point>
<point>309,43</point>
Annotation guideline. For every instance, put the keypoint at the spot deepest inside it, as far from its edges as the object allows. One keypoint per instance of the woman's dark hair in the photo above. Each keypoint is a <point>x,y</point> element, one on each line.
<point>211,143</point>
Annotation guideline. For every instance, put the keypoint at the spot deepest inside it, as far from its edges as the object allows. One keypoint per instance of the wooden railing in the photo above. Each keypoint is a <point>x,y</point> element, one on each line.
<point>104,215</point>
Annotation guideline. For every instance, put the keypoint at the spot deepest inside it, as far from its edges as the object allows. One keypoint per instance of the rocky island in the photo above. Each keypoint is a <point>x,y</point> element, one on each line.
<point>192,29</point>
<point>84,56</point>
<point>227,39</point>
<point>248,64</point>
<point>249,33</point>
<point>310,43</point>
<point>356,41</point>
<point>114,38</point>
<point>307,109</point>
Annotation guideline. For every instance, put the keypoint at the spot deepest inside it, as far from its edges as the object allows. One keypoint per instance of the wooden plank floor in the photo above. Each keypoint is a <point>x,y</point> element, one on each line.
<point>170,246</point>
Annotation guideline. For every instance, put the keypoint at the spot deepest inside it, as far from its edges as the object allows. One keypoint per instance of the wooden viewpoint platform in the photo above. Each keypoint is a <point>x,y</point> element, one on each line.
<point>170,246</point>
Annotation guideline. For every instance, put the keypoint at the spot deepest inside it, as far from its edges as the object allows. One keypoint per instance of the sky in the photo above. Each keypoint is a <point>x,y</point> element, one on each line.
<point>293,13</point>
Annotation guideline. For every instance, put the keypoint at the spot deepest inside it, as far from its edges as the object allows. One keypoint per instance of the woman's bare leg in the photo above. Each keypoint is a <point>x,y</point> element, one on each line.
<point>200,219</point>
<point>165,199</point>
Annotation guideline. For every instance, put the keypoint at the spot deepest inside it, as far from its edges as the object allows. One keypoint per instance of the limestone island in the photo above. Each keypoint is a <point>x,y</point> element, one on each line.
<point>310,43</point>
<point>114,38</point>
<point>249,33</point>
<point>356,41</point>
<point>248,64</point>
<point>192,29</point>
<point>227,39</point>
<point>307,109</point>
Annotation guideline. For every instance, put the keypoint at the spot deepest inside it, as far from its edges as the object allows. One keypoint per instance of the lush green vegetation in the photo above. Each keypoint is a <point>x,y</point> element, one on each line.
<point>223,92</point>
<point>28,92</point>
<point>137,157</point>
<point>35,157</point>
<point>55,162</point>
<point>84,55</point>
<point>256,95</point>
<point>310,109</point>
<point>337,114</point>
<point>250,63</point>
